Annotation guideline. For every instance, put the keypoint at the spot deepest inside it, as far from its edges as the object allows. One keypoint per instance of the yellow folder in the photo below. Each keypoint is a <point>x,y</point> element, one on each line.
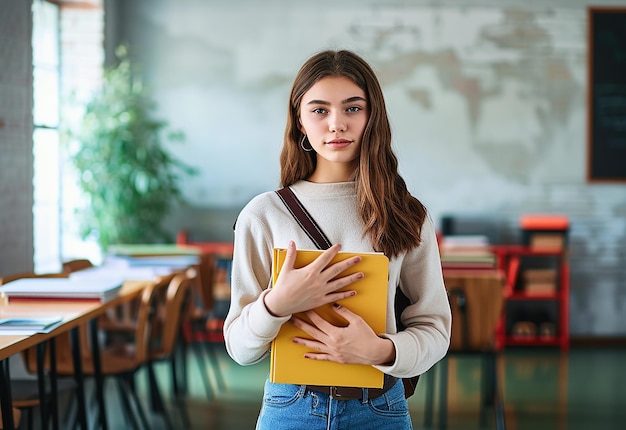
<point>287,362</point>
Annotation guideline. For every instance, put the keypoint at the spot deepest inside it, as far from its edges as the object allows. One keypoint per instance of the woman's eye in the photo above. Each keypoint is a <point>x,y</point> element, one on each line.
<point>353,109</point>
<point>319,111</point>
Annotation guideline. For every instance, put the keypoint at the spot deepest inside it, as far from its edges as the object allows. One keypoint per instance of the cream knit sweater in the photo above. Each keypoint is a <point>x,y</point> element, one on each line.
<point>265,223</point>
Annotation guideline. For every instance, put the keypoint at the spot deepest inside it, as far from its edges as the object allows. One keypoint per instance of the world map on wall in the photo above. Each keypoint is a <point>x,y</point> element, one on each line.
<point>490,93</point>
<point>518,77</point>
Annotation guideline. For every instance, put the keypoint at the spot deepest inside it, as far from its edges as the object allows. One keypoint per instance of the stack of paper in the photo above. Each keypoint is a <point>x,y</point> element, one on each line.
<point>101,290</point>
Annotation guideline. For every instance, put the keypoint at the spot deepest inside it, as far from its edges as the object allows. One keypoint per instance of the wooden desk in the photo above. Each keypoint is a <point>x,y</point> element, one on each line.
<point>483,291</point>
<point>476,299</point>
<point>75,313</point>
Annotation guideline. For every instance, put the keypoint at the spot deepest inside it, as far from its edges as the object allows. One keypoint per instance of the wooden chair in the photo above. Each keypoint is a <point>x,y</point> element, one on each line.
<point>76,265</point>
<point>171,303</point>
<point>115,320</point>
<point>165,341</point>
<point>16,276</point>
<point>201,329</point>
<point>16,418</point>
<point>196,330</point>
<point>120,324</point>
<point>26,396</point>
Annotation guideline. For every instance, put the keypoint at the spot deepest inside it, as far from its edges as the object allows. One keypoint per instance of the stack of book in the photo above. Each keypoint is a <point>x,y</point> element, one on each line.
<point>466,252</point>
<point>157,255</point>
<point>28,326</point>
<point>101,290</point>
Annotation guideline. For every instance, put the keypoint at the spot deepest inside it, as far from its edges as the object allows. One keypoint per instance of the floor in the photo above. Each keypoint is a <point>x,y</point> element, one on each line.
<point>541,389</point>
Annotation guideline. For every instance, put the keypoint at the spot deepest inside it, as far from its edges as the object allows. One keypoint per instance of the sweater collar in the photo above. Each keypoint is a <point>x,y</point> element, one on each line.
<point>312,189</point>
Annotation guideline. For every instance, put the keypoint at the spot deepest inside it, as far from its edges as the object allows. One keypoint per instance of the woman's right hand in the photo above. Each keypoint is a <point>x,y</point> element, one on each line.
<point>316,284</point>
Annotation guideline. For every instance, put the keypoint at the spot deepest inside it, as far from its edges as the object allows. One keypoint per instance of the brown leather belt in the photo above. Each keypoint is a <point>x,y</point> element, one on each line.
<point>349,393</point>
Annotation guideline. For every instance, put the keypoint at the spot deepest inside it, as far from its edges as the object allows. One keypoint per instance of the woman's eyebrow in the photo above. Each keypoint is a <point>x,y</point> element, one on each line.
<point>354,99</point>
<point>346,101</point>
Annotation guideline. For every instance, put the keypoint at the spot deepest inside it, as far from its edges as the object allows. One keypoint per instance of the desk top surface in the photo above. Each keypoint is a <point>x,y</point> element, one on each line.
<point>74,313</point>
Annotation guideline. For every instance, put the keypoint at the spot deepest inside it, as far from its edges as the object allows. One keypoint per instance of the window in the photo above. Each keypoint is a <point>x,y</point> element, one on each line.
<point>46,176</point>
<point>68,55</point>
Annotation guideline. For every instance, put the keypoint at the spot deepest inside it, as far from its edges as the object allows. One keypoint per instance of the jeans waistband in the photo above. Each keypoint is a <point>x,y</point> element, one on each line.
<point>350,393</point>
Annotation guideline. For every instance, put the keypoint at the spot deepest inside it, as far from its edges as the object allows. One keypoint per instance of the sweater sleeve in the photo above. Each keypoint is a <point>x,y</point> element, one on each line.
<point>249,328</point>
<point>428,319</point>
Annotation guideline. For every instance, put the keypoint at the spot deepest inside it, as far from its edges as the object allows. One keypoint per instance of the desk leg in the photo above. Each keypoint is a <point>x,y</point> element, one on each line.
<point>498,396</point>
<point>490,391</point>
<point>430,394</point>
<point>6,399</point>
<point>54,404</point>
<point>443,393</point>
<point>97,366</point>
<point>486,382</point>
<point>41,380</point>
<point>78,376</point>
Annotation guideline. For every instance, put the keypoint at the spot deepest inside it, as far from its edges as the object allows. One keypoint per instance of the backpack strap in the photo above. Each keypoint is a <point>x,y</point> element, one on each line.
<point>303,217</point>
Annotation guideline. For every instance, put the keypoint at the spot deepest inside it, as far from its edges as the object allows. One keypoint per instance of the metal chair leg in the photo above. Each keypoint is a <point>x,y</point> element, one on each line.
<point>197,348</point>
<point>131,393</point>
<point>212,356</point>
<point>126,405</point>
<point>156,398</point>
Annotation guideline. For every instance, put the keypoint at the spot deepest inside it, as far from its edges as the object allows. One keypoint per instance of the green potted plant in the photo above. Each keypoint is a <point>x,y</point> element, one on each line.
<point>131,182</point>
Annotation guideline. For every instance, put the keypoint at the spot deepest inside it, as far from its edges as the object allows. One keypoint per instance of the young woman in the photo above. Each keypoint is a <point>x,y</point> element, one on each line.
<point>338,160</point>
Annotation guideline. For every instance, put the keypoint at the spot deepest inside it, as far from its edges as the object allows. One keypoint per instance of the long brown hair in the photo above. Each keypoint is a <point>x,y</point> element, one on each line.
<point>393,217</point>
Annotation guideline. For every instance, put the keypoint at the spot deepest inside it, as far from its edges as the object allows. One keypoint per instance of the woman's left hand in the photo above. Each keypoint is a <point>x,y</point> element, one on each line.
<point>355,343</point>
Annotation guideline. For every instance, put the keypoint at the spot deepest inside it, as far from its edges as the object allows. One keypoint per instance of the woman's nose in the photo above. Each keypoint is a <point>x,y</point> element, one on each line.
<point>336,124</point>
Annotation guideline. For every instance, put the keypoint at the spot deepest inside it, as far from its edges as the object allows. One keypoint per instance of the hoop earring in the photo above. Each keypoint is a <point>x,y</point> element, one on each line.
<point>309,149</point>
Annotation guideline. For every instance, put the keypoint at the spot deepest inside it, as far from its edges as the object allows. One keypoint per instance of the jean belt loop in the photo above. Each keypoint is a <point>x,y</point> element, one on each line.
<point>365,397</point>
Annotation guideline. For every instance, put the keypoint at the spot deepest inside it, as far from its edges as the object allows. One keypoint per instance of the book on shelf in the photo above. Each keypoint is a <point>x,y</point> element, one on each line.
<point>287,362</point>
<point>538,282</point>
<point>465,241</point>
<point>468,262</point>
<point>101,290</point>
<point>27,325</point>
<point>467,252</point>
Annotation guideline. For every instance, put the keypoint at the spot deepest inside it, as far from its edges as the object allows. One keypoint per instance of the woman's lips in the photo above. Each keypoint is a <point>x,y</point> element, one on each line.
<point>339,143</point>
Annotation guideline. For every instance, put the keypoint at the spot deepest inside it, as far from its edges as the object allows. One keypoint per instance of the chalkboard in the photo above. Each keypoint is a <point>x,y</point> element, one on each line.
<point>606,145</point>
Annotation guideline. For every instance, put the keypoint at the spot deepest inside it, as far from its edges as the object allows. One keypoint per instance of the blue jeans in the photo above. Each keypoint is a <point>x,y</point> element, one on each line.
<point>291,407</point>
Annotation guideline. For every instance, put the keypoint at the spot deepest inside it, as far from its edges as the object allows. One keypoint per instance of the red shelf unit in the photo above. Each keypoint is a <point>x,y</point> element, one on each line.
<point>510,259</point>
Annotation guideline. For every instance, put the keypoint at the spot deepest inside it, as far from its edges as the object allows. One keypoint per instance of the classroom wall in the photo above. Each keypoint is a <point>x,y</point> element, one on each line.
<point>487,103</point>
<point>16,137</point>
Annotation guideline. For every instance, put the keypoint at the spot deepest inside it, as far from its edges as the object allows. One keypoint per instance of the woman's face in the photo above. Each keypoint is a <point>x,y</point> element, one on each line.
<point>333,115</point>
